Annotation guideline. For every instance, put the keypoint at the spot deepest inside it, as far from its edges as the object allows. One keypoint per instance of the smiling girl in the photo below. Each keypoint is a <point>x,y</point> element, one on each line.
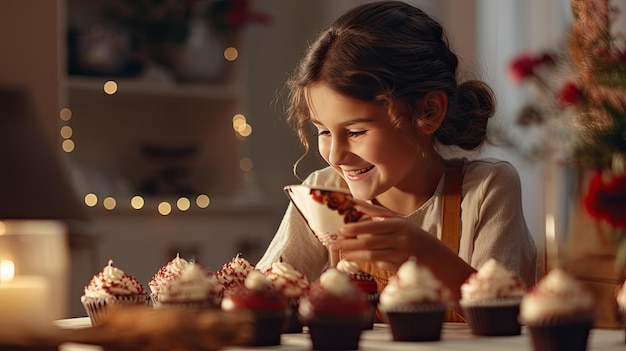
<point>380,87</point>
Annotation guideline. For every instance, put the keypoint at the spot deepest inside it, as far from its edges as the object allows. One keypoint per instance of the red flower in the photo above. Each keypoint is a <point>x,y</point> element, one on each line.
<point>521,68</point>
<point>569,95</point>
<point>606,198</point>
<point>524,66</point>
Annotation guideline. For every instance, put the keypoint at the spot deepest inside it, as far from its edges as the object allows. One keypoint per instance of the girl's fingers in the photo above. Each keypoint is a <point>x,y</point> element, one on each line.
<point>374,225</point>
<point>373,210</point>
<point>365,241</point>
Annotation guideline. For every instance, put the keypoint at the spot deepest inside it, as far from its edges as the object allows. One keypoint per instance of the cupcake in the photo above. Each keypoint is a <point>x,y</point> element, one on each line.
<point>490,300</point>
<point>234,272</point>
<point>365,282</point>
<point>292,284</point>
<point>335,310</point>
<point>171,270</point>
<point>558,312</point>
<point>195,287</point>
<point>267,304</point>
<point>414,303</point>
<point>111,286</point>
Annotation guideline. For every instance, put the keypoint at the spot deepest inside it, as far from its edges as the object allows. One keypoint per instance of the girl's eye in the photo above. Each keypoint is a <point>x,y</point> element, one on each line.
<point>351,134</point>
<point>356,133</point>
<point>323,133</point>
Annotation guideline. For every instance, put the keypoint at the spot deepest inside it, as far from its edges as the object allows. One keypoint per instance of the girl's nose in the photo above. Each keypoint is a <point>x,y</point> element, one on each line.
<point>339,152</point>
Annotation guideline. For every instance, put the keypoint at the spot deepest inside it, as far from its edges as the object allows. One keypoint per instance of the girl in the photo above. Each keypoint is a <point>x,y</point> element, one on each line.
<point>380,86</point>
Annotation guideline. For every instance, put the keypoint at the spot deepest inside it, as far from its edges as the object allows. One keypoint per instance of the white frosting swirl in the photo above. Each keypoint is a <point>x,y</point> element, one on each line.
<point>337,283</point>
<point>491,282</point>
<point>557,294</point>
<point>195,283</point>
<point>255,280</point>
<point>413,284</point>
<point>172,270</point>
<point>347,267</point>
<point>235,271</point>
<point>287,279</point>
<point>112,281</point>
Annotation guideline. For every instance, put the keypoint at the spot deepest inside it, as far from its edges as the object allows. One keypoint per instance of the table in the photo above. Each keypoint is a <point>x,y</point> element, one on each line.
<point>455,336</point>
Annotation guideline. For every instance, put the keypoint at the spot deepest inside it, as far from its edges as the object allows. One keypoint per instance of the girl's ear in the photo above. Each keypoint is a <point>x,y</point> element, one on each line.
<point>431,111</point>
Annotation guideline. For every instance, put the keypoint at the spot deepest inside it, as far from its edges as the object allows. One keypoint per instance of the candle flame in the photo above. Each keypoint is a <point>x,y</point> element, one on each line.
<point>7,270</point>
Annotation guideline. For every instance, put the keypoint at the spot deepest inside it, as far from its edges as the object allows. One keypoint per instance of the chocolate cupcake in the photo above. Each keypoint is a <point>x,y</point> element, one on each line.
<point>490,300</point>
<point>558,312</point>
<point>293,284</point>
<point>366,283</point>
<point>414,303</point>
<point>335,310</point>
<point>268,306</point>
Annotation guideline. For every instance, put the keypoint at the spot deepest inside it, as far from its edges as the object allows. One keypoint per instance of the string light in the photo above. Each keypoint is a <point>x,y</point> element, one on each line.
<point>91,200</point>
<point>231,53</point>
<point>109,203</point>
<point>137,202</point>
<point>203,201</point>
<point>110,87</point>
<point>164,208</point>
<point>183,204</point>
<point>240,126</point>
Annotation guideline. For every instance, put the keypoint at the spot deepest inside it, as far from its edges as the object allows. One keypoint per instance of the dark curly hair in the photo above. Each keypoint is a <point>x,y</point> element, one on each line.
<point>391,53</point>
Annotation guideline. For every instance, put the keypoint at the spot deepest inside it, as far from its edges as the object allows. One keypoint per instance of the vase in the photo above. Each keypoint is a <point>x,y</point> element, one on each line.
<point>587,252</point>
<point>201,57</point>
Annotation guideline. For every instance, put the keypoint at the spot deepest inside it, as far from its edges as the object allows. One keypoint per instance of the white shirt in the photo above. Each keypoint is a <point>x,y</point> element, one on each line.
<point>492,223</point>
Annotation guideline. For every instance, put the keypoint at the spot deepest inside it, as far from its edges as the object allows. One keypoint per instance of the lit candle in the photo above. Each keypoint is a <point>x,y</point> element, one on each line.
<point>23,299</point>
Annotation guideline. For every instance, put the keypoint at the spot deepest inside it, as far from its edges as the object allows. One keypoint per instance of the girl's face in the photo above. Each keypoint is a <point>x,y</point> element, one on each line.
<point>361,142</point>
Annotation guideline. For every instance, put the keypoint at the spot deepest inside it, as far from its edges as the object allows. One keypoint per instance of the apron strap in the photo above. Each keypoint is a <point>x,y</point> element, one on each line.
<point>450,228</point>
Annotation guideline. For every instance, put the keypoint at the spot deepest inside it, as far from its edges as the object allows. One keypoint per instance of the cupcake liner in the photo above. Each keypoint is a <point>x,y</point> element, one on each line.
<point>565,336</point>
<point>574,317</point>
<point>96,308</point>
<point>491,303</point>
<point>292,322</point>
<point>499,320</point>
<point>210,303</point>
<point>432,307</point>
<point>336,332</point>
<point>371,316</point>
<point>268,326</point>
<point>416,323</point>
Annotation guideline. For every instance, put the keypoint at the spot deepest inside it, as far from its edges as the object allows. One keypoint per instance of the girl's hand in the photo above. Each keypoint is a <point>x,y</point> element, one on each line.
<point>386,238</point>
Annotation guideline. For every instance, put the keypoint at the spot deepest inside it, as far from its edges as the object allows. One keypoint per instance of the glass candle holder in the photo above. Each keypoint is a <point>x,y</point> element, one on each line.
<point>34,281</point>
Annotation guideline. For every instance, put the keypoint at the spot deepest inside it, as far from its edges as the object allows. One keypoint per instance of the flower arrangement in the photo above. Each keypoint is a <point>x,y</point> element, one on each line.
<point>581,96</point>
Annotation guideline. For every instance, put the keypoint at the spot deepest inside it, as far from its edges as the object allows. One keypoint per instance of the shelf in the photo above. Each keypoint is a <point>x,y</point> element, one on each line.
<point>251,203</point>
<point>156,87</point>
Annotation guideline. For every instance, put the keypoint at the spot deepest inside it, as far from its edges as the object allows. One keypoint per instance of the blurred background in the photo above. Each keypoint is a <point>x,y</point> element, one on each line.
<point>167,114</point>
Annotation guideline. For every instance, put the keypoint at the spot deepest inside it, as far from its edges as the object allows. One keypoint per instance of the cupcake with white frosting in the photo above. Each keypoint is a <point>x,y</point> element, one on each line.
<point>414,303</point>
<point>234,272</point>
<point>195,287</point>
<point>111,286</point>
<point>172,270</point>
<point>490,300</point>
<point>293,284</point>
<point>335,310</point>
<point>558,312</point>
<point>268,306</point>
<point>365,282</point>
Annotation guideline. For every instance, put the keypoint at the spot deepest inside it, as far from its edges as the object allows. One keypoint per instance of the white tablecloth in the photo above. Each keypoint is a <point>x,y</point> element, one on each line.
<point>455,336</point>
